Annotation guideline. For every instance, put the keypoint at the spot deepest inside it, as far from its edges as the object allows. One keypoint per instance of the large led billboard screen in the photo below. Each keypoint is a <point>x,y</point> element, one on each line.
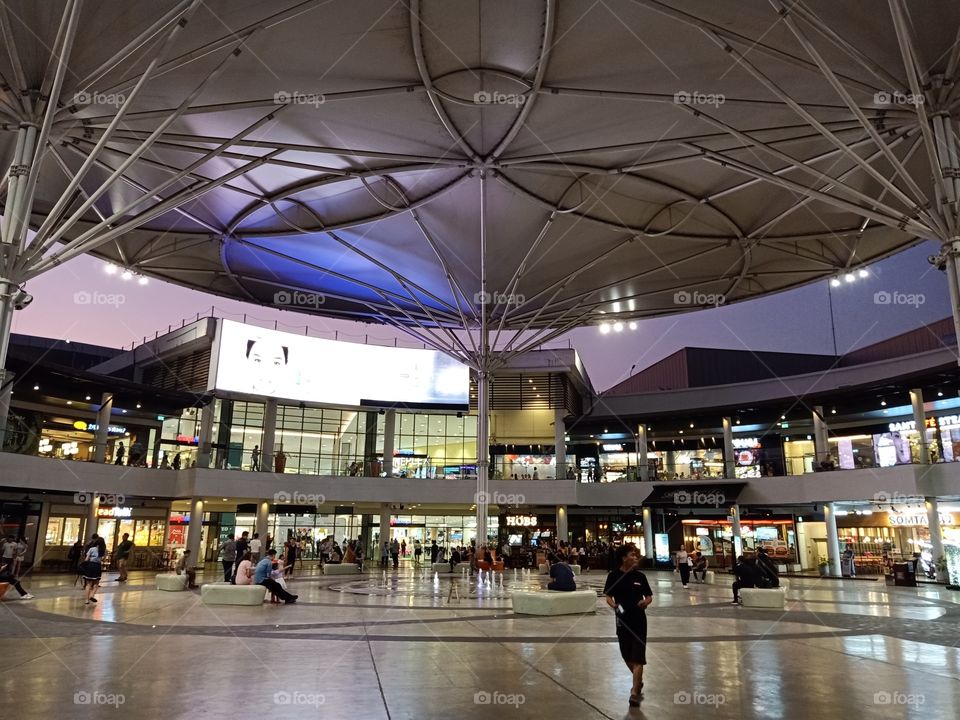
<point>256,361</point>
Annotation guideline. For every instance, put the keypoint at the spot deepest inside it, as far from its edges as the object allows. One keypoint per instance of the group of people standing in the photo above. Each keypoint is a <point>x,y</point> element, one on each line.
<point>13,552</point>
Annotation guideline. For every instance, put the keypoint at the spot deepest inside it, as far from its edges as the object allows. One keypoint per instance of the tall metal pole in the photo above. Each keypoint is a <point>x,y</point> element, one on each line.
<point>483,381</point>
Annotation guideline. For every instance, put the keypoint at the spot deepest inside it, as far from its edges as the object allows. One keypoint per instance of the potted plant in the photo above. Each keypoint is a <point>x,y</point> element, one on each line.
<point>823,566</point>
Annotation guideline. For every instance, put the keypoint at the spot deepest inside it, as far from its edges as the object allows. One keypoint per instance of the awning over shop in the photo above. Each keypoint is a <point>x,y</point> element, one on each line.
<point>694,496</point>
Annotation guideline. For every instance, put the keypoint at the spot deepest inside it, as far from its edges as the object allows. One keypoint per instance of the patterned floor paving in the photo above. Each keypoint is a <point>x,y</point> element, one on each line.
<point>409,644</point>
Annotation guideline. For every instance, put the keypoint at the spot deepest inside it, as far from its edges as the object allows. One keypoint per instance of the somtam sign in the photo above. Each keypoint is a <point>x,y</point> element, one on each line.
<point>253,360</point>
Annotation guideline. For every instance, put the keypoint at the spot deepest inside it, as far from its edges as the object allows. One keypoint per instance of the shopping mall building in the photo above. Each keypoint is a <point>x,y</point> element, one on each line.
<point>219,427</point>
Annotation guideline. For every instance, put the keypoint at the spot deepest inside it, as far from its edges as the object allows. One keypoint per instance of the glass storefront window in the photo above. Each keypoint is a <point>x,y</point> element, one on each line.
<point>54,531</point>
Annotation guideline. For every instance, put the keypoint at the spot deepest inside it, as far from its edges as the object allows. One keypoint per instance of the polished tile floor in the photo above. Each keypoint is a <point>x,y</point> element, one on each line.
<point>401,645</point>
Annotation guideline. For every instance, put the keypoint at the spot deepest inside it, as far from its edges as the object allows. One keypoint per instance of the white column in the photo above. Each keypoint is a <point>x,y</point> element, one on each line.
<point>103,425</point>
<point>384,529</point>
<point>560,442</point>
<point>263,521</point>
<point>821,444</point>
<point>269,434</point>
<point>389,441</point>
<point>482,498</point>
<point>833,539</point>
<point>920,420</point>
<point>206,435</point>
<point>194,529</point>
<point>563,532</point>
<point>936,534</point>
<point>91,527</point>
<point>737,536</point>
<point>648,547</point>
<point>39,550</point>
<point>729,459</point>
<point>642,468</point>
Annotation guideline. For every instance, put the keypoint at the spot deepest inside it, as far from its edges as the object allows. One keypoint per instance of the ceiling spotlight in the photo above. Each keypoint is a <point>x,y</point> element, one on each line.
<point>142,280</point>
<point>835,282</point>
<point>833,412</point>
<point>69,402</point>
<point>691,424</point>
<point>883,403</point>
<point>618,326</point>
<point>783,417</point>
<point>126,275</point>
<point>138,406</point>
<point>940,393</point>
<point>124,412</point>
<point>36,387</point>
<point>110,269</point>
<point>849,277</point>
<point>863,273</point>
<point>632,325</point>
<point>604,328</point>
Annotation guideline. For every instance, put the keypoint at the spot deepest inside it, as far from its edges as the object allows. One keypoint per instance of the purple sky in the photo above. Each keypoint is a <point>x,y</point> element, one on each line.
<point>797,321</point>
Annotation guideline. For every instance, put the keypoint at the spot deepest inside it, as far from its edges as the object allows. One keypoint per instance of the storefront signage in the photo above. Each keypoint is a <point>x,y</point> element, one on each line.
<point>187,439</point>
<point>911,425</point>
<point>745,443</point>
<point>521,520</point>
<point>919,519</point>
<point>661,546</point>
<point>93,427</point>
<point>114,512</point>
<point>612,447</point>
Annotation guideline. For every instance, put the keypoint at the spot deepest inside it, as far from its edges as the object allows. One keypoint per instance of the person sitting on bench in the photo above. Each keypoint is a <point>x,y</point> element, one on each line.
<point>700,567</point>
<point>262,577</point>
<point>189,570</point>
<point>561,574</point>
<point>748,576</point>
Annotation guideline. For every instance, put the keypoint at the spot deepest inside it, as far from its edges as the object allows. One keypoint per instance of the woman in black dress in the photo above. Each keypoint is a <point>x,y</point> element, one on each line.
<point>629,594</point>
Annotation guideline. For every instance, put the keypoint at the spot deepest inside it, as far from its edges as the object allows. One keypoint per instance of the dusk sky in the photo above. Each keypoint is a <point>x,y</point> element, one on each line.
<point>797,321</point>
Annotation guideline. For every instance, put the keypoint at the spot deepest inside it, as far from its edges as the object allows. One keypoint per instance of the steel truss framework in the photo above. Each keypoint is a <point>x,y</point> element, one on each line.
<point>484,196</point>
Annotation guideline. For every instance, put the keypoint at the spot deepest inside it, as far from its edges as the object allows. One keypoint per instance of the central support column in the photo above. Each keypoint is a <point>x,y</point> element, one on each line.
<point>643,469</point>
<point>206,435</point>
<point>821,445</point>
<point>729,461</point>
<point>649,551</point>
<point>936,534</point>
<point>920,420</point>
<point>389,440</point>
<point>563,531</point>
<point>833,539</point>
<point>263,523</point>
<point>103,426</point>
<point>737,536</point>
<point>194,529</point>
<point>92,524</point>
<point>269,434</point>
<point>482,497</point>
<point>560,442</point>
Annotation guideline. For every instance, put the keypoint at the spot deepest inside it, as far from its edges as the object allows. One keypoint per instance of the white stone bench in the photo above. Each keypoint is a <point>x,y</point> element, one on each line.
<point>545,569</point>
<point>554,602</point>
<point>171,582</point>
<point>227,594</point>
<point>341,569</point>
<point>710,577</point>
<point>444,568</point>
<point>764,597</point>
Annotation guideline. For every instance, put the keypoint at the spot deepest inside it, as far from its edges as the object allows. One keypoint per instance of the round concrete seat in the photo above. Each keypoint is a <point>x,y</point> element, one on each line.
<point>171,582</point>
<point>554,602</point>
<point>341,569</point>
<point>764,597</point>
<point>227,594</point>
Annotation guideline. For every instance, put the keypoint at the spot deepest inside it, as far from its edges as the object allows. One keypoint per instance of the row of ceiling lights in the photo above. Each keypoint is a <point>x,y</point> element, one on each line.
<point>617,326</point>
<point>849,278</point>
<point>125,273</point>
<point>86,398</point>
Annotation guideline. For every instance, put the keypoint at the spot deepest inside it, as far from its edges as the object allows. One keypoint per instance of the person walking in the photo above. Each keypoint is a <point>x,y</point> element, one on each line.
<point>91,570</point>
<point>684,563</point>
<point>261,576</point>
<point>255,547</point>
<point>417,551</point>
<point>243,544</point>
<point>434,551</point>
<point>228,548</point>
<point>176,462</point>
<point>628,593</point>
<point>289,556</point>
<point>121,451</point>
<point>395,552</point>
<point>6,576</point>
<point>403,548</point>
<point>255,459</point>
<point>122,555</point>
<point>20,556</point>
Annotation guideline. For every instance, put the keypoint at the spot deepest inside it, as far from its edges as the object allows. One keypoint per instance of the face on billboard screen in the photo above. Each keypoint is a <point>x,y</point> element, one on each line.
<point>277,364</point>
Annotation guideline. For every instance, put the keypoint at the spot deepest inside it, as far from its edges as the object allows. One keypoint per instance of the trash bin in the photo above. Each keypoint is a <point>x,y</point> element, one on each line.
<point>903,575</point>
